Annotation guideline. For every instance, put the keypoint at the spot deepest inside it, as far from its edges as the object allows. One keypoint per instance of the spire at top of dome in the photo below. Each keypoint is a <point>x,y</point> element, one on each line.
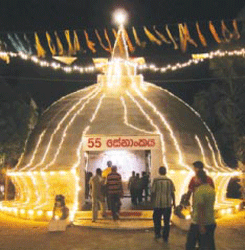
<point>120,49</point>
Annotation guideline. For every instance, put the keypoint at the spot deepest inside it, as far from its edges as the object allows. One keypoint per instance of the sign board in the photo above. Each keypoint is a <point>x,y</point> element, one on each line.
<point>97,143</point>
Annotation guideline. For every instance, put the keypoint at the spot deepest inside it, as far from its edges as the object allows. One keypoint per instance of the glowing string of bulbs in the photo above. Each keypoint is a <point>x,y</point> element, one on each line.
<point>167,125</point>
<point>152,67</point>
<point>197,114</point>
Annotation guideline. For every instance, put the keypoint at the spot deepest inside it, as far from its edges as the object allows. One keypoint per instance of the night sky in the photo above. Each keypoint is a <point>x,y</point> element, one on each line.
<point>46,86</point>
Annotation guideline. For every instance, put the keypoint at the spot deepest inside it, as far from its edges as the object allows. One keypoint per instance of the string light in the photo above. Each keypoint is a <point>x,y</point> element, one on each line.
<point>152,67</point>
<point>34,202</point>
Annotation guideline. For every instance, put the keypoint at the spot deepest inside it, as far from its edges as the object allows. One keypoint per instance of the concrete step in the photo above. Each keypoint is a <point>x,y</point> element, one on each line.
<point>124,215</point>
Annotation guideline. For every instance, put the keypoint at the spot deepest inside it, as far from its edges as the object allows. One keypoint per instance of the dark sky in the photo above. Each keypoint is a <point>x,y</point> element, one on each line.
<point>47,86</point>
<point>55,14</point>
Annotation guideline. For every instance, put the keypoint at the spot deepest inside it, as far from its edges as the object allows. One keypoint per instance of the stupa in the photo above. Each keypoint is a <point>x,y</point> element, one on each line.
<point>135,124</point>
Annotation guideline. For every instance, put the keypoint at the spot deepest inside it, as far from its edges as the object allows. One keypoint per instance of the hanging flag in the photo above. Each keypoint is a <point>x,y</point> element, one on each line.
<point>40,51</point>
<point>171,38</point>
<point>65,59</point>
<point>214,33</point>
<point>59,44</point>
<point>51,44</point>
<point>201,36</point>
<point>16,42</point>
<point>182,37</point>
<point>130,45</point>
<point>163,38</point>
<point>188,36</point>
<point>68,39</point>
<point>225,32</point>
<point>236,33</point>
<point>5,57</point>
<point>29,44</point>
<point>136,38</point>
<point>108,40</point>
<point>76,44</point>
<point>100,41</point>
<point>90,44</point>
<point>151,37</point>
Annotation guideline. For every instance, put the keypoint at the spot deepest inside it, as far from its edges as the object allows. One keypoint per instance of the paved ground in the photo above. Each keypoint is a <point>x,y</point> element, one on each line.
<point>20,234</point>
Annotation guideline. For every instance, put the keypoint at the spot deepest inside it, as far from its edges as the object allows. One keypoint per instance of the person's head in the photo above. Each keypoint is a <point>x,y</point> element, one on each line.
<point>98,171</point>
<point>60,200</point>
<point>109,164</point>
<point>137,175</point>
<point>202,176</point>
<point>114,169</point>
<point>143,173</point>
<point>162,170</point>
<point>133,173</point>
<point>198,165</point>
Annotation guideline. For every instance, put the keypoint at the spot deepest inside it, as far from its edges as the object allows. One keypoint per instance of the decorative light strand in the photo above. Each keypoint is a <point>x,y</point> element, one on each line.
<point>152,67</point>
<point>213,154</point>
<point>154,125</point>
<point>69,124</point>
<point>202,152</point>
<point>130,125</point>
<point>53,65</point>
<point>197,114</point>
<point>59,126</point>
<point>211,55</point>
<point>166,124</point>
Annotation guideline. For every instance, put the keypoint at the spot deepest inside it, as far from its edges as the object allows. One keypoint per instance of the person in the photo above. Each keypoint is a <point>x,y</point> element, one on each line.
<point>138,188</point>
<point>107,170</point>
<point>96,186</point>
<point>104,175</point>
<point>163,198</point>
<point>60,210</point>
<point>145,184</point>
<point>203,222</point>
<point>194,182</point>
<point>114,191</point>
<point>88,176</point>
<point>132,188</point>
<point>60,218</point>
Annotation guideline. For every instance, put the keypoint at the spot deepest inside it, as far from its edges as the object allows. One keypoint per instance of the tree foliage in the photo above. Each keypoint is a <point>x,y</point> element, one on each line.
<point>18,116</point>
<point>222,107</point>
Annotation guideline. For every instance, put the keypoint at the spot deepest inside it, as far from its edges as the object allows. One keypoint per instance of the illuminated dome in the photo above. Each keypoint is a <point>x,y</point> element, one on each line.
<point>95,111</point>
<point>138,124</point>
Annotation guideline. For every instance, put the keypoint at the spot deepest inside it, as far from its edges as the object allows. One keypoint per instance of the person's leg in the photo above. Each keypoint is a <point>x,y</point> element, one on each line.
<point>166,218</point>
<point>117,206</point>
<point>157,215</point>
<point>140,194</point>
<point>146,193</point>
<point>113,206</point>
<point>134,199</point>
<point>192,237</point>
<point>132,196</point>
<point>108,202</point>
<point>207,239</point>
<point>102,207</point>
<point>95,207</point>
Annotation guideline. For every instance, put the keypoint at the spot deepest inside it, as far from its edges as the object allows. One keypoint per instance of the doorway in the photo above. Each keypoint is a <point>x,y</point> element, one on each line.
<point>126,162</point>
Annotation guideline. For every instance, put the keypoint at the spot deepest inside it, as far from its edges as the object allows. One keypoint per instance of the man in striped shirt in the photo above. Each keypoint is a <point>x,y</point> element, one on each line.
<point>163,198</point>
<point>114,191</point>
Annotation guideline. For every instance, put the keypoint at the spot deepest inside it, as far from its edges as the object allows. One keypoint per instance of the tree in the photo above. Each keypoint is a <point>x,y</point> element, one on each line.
<point>222,107</point>
<point>18,116</point>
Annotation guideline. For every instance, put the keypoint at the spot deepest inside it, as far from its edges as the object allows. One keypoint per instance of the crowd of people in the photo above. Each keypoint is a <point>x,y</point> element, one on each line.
<point>137,186</point>
<point>107,187</point>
